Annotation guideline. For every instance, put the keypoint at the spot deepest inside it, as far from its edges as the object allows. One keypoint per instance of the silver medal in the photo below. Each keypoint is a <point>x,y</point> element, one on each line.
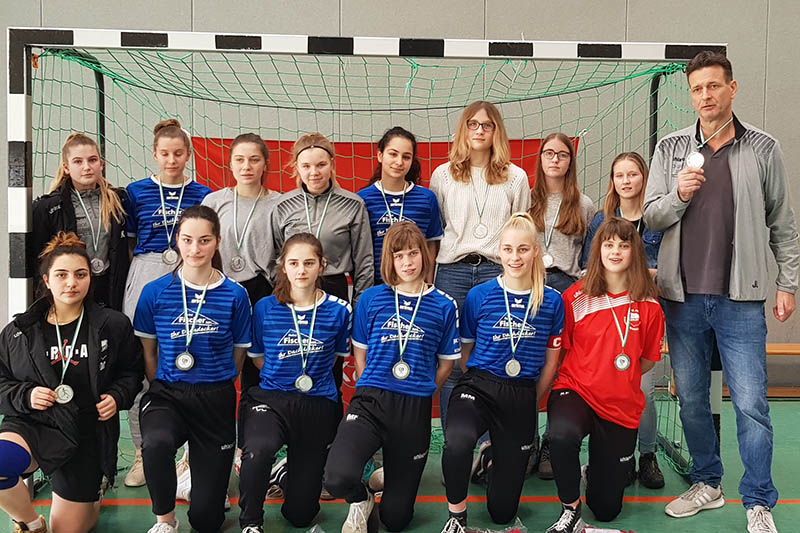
<point>303,383</point>
<point>237,263</point>
<point>480,231</point>
<point>695,160</point>
<point>97,265</point>
<point>513,368</point>
<point>169,256</point>
<point>184,361</point>
<point>64,393</point>
<point>547,259</point>
<point>622,362</point>
<point>401,370</point>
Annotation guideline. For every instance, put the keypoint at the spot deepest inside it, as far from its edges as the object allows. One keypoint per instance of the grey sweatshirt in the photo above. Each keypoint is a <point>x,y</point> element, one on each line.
<point>763,214</point>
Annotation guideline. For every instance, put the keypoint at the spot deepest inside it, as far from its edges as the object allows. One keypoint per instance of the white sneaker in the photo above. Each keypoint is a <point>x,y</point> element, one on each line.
<point>183,491</point>
<point>358,516</point>
<point>163,527</point>
<point>698,498</point>
<point>375,482</point>
<point>453,526</point>
<point>759,520</point>
<point>135,475</point>
<point>183,464</point>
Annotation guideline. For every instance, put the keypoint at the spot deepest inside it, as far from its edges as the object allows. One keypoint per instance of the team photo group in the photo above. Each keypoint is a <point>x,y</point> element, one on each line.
<point>492,295</point>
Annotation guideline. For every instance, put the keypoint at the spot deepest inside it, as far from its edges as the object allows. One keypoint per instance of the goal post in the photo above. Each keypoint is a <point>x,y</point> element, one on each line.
<point>115,85</point>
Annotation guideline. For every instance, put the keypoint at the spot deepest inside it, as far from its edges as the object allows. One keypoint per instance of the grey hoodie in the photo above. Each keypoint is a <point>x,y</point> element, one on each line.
<point>763,213</point>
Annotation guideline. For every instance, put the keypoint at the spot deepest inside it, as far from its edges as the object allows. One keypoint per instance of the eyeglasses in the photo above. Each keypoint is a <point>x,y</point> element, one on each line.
<point>487,126</point>
<point>551,154</point>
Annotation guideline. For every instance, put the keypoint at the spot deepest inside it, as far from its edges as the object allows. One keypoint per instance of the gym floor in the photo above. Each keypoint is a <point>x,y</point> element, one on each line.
<point>126,509</point>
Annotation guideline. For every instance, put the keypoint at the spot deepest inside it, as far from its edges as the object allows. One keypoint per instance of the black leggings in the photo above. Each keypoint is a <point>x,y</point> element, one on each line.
<point>307,425</point>
<point>205,415</point>
<point>401,424</point>
<point>610,452</point>
<point>507,409</point>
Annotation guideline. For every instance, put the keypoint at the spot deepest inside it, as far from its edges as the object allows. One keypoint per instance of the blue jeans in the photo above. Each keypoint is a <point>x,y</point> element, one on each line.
<point>740,330</point>
<point>456,279</point>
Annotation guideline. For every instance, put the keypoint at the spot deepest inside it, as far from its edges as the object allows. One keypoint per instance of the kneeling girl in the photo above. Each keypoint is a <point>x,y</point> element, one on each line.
<point>298,333</point>
<point>405,339</point>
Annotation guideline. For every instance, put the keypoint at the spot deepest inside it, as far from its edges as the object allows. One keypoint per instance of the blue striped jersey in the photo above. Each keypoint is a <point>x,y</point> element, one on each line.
<point>484,322</point>
<point>223,323</point>
<point>434,335</point>
<point>419,206</point>
<point>275,339</point>
<point>144,218</point>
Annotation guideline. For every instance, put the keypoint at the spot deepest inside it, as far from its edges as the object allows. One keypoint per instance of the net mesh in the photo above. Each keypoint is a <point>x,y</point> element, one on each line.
<point>609,106</point>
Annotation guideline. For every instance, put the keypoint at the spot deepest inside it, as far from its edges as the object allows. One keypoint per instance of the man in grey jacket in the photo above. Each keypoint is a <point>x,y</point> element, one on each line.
<point>718,191</point>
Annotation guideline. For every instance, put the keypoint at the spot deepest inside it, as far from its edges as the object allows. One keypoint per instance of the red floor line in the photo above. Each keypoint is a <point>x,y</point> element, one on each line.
<point>130,502</point>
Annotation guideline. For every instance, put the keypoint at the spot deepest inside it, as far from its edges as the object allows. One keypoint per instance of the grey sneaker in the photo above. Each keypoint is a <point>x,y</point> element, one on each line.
<point>545,466</point>
<point>759,520</point>
<point>698,498</point>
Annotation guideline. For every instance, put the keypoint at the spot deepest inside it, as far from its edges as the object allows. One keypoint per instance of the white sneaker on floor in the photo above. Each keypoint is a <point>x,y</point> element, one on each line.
<point>759,520</point>
<point>163,527</point>
<point>183,464</point>
<point>358,516</point>
<point>698,498</point>
<point>183,490</point>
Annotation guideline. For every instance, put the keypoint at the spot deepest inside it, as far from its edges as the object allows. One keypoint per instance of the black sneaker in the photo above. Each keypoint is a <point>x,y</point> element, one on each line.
<point>482,464</point>
<point>545,466</point>
<point>649,474</point>
<point>252,529</point>
<point>570,521</point>
<point>630,474</point>
<point>455,525</point>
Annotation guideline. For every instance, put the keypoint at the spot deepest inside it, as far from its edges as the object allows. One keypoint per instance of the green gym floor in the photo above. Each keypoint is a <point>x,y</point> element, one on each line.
<point>126,509</point>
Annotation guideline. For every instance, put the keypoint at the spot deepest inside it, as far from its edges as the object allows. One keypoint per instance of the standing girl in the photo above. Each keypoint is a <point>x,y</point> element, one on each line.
<point>624,199</point>
<point>67,366</point>
<point>153,208</point>
<point>244,211</point>
<point>82,201</point>
<point>477,190</point>
<point>194,325</point>
<point>613,328</point>
<point>298,333</point>
<point>336,217</point>
<point>393,195</point>
<point>561,214</point>
<point>511,334</point>
<point>402,330</point>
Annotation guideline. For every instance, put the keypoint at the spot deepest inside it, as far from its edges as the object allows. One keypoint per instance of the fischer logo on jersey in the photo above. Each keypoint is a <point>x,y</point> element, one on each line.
<point>203,326</point>
<point>171,211</point>
<point>528,331</point>
<point>416,333</point>
<point>289,340</point>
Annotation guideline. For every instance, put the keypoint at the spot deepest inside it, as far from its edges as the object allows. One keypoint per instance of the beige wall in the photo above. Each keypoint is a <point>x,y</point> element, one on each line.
<point>760,33</point>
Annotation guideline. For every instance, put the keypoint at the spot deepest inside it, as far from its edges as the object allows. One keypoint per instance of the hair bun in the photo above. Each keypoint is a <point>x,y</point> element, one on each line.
<point>62,239</point>
<point>167,123</point>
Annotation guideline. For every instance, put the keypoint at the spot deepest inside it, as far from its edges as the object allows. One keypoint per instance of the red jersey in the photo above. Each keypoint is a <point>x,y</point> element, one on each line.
<point>593,343</point>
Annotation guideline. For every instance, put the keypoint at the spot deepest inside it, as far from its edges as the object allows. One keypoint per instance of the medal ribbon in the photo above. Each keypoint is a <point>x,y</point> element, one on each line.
<point>622,338</point>
<point>479,209</point>
<point>190,331</point>
<point>66,358</point>
<point>705,141</point>
<point>514,345</point>
<point>240,240</point>
<point>324,212</point>
<point>638,224</point>
<point>389,211</point>
<point>403,344</point>
<point>304,354</point>
<point>548,236</point>
<point>164,210</point>
<point>95,238</point>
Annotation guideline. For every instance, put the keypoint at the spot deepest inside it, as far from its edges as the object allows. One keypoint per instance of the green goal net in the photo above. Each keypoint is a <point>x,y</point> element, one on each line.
<point>117,95</point>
